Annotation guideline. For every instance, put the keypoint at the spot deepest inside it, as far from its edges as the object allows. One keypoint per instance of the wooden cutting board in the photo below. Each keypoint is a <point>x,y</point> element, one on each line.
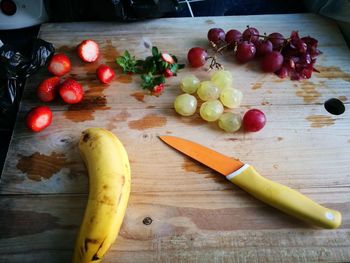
<point>180,211</point>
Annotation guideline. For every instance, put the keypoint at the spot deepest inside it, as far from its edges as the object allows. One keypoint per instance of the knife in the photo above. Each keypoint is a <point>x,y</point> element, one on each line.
<point>247,178</point>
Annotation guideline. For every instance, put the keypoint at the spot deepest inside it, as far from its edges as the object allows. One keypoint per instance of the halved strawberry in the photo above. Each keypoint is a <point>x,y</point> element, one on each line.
<point>39,118</point>
<point>168,73</point>
<point>167,58</point>
<point>105,74</point>
<point>157,89</point>
<point>47,89</point>
<point>71,91</point>
<point>88,50</point>
<point>59,65</point>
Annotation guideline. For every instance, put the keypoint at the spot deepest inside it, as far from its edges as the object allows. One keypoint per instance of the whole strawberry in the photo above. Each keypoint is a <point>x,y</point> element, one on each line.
<point>88,51</point>
<point>158,89</point>
<point>59,65</point>
<point>105,74</point>
<point>39,118</point>
<point>166,57</point>
<point>168,73</point>
<point>71,91</point>
<point>47,90</point>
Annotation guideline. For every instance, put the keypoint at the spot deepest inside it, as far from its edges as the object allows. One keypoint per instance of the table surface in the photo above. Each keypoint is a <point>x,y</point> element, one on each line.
<point>197,216</point>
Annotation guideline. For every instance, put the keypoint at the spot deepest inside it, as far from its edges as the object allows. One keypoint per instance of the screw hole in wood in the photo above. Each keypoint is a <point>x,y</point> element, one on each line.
<point>334,106</point>
<point>147,221</point>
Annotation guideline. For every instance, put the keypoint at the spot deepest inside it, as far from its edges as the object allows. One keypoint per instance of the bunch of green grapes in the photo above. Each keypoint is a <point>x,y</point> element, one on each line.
<point>216,93</point>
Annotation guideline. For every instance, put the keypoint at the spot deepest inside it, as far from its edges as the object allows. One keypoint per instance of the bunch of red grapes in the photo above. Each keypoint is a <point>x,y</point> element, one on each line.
<point>293,56</point>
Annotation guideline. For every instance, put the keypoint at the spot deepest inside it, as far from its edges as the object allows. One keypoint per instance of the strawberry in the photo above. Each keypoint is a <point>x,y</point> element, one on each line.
<point>47,89</point>
<point>88,51</point>
<point>105,74</point>
<point>39,118</point>
<point>157,89</point>
<point>168,73</point>
<point>59,65</point>
<point>167,58</point>
<point>71,91</point>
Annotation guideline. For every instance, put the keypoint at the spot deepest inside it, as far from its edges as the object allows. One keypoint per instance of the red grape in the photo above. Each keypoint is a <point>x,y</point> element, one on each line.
<point>263,47</point>
<point>282,72</point>
<point>216,35</point>
<point>272,62</point>
<point>299,57</point>
<point>311,46</point>
<point>233,36</point>
<point>301,46</point>
<point>277,40</point>
<point>197,57</point>
<point>245,51</point>
<point>251,34</point>
<point>254,120</point>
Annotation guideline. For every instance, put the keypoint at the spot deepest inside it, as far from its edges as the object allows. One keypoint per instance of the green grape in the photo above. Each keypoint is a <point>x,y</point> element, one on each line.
<point>231,98</point>
<point>211,110</point>
<point>230,122</point>
<point>185,104</point>
<point>208,91</point>
<point>222,79</point>
<point>189,84</point>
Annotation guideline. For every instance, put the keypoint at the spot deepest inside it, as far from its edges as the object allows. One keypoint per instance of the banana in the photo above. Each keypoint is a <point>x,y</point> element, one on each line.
<point>109,189</point>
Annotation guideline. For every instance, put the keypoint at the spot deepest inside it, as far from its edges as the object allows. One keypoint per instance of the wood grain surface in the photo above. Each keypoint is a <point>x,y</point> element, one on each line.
<point>179,210</point>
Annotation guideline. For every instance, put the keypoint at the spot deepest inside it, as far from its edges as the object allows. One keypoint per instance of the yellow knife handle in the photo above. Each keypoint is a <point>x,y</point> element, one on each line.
<point>284,198</point>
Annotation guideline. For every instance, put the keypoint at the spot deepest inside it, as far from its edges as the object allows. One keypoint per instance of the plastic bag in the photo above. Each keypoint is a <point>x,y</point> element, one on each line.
<point>14,69</point>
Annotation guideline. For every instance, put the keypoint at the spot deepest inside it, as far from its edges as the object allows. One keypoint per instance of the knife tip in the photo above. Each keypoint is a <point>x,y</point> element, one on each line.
<point>164,137</point>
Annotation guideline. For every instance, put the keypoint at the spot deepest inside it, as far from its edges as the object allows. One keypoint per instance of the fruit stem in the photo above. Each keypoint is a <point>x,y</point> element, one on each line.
<point>214,63</point>
<point>222,48</point>
<point>217,48</point>
<point>264,36</point>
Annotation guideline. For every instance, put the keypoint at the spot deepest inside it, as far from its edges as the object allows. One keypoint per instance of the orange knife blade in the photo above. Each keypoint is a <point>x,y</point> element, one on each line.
<point>216,161</point>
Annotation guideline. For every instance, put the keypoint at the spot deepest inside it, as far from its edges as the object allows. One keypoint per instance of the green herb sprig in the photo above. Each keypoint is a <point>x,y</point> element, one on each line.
<point>153,69</point>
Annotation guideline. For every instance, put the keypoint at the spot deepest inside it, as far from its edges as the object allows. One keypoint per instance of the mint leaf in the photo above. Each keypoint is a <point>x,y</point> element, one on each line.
<point>174,58</point>
<point>121,62</point>
<point>127,54</point>
<point>155,51</point>
<point>149,65</point>
<point>147,81</point>
<point>158,80</point>
<point>174,68</point>
<point>181,66</point>
<point>127,63</point>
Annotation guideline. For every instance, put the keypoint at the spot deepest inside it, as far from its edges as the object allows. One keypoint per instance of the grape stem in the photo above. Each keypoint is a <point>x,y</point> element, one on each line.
<point>214,63</point>
<point>264,36</point>
<point>222,48</point>
<point>217,48</point>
